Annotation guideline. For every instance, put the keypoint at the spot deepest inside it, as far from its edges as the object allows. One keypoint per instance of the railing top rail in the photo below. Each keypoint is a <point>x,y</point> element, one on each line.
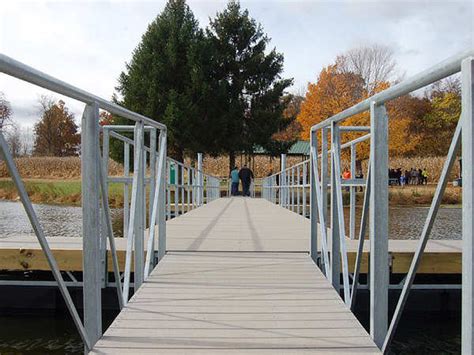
<point>124,128</point>
<point>440,71</point>
<point>24,72</point>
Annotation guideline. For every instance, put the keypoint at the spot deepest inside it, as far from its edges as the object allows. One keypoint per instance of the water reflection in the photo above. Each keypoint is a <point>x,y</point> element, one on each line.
<point>408,222</point>
<point>66,221</point>
<point>56,221</point>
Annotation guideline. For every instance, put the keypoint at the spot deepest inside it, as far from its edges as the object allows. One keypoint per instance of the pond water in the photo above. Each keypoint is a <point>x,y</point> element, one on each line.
<point>65,221</point>
<point>56,221</point>
<point>408,222</point>
<point>55,334</point>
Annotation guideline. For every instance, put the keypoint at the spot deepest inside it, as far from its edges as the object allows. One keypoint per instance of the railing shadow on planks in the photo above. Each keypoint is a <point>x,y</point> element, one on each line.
<point>322,171</point>
<point>174,189</point>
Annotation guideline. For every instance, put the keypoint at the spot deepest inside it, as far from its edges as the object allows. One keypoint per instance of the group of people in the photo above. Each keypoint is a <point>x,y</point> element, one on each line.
<point>245,175</point>
<point>408,177</point>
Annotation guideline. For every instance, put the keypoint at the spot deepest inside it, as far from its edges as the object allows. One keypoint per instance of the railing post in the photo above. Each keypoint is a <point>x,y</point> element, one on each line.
<point>467,77</point>
<point>292,184</point>
<point>126,203</point>
<point>324,172</point>
<point>335,246</point>
<point>352,202</point>
<point>305,173</point>
<point>152,171</point>
<point>283,181</point>
<point>200,180</point>
<point>313,210</point>
<point>103,234</point>
<point>162,203</point>
<point>92,271</point>
<point>168,189</point>
<point>138,217</point>
<point>378,219</point>
<point>182,188</point>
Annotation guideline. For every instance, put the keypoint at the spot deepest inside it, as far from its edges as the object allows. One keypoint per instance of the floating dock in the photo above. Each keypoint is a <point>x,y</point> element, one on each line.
<point>239,280</point>
<point>203,230</point>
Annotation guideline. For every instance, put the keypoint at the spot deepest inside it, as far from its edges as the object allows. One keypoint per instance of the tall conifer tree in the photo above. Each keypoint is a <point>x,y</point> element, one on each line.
<point>248,79</point>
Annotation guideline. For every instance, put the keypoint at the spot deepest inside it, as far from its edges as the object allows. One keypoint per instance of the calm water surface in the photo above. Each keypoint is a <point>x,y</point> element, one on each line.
<point>56,221</point>
<point>55,334</point>
<point>408,222</point>
<point>65,221</point>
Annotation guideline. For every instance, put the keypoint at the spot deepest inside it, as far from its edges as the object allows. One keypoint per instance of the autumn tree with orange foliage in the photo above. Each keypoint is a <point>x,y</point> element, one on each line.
<point>332,93</point>
<point>337,90</point>
<point>56,131</point>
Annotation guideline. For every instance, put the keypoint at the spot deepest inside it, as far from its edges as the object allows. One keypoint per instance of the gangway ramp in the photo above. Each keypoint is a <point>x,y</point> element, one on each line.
<point>237,278</point>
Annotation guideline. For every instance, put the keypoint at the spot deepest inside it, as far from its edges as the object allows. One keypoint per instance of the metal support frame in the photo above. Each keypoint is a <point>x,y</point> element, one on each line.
<point>352,202</point>
<point>337,213</point>
<point>467,78</point>
<point>162,201</point>
<point>30,212</point>
<point>378,221</point>
<point>200,181</point>
<point>375,206</point>
<point>313,202</point>
<point>97,224</point>
<point>429,222</point>
<point>283,180</point>
<point>92,270</point>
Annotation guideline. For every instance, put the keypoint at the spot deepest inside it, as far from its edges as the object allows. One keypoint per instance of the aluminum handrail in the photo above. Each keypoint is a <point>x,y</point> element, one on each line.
<point>22,71</point>
<point>440,71</point>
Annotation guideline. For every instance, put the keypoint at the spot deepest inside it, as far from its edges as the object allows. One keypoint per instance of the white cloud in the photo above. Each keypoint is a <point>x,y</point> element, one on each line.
<point>86,43</point>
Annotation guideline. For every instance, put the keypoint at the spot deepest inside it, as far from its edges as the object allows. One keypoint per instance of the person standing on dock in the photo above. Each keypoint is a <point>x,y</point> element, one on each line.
<point>246,176</point>
<point>234,178</point>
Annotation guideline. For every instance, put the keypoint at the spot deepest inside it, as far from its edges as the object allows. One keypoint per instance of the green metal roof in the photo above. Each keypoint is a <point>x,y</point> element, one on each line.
<point>299,148</point>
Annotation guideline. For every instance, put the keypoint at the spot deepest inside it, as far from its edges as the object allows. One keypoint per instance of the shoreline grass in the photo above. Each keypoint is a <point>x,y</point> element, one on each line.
<point>68,193</point>
<point>56,192</point>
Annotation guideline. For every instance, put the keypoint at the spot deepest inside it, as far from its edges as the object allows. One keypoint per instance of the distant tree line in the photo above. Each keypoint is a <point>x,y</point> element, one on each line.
<point>219,90</point>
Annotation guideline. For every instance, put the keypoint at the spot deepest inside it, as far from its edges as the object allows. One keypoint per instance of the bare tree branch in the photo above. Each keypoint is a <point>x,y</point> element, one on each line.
<point>5,112</point>
<point>374,63</point>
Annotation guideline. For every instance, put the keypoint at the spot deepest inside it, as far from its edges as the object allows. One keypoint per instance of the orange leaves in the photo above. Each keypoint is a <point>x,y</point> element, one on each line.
<point>332,93</point>
<point>336,91</point>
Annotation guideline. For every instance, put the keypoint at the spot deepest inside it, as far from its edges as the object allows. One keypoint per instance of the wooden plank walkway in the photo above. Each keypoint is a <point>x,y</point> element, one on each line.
<point>239,280</point>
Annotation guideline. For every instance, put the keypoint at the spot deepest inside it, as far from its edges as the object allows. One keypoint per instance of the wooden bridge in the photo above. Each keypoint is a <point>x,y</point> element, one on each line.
<point>237,277</point>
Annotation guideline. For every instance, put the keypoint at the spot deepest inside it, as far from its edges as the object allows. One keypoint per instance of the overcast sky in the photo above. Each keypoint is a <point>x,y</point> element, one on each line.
<point>86,43</point>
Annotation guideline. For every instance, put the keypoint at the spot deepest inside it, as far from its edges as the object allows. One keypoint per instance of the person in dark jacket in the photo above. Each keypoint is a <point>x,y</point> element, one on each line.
<point>246,176</point>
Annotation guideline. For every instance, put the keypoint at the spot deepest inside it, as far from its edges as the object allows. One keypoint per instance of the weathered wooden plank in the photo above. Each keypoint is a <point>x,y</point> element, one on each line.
<point>205,300</point>
<point>431,263</point>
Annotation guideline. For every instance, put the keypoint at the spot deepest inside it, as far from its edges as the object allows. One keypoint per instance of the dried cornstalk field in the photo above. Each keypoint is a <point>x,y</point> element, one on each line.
<point>70,167</point>
<point>53,168</point>
<point>263,165</point>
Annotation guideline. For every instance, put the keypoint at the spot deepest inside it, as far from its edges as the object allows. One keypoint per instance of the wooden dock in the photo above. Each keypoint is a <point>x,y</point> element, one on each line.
<point>202,230</point>
<point>239,280</point>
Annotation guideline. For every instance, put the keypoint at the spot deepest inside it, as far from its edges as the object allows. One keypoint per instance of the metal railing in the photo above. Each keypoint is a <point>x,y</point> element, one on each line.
<point>328,232</point>
<point>140,213</point>
<point>289,187</point>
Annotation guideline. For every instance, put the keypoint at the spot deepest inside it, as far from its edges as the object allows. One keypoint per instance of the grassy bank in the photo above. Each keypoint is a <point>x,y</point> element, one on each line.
<point>57,192</point>
<point>68,168</point>
<point>68,192</point>
<point>415,195</point>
